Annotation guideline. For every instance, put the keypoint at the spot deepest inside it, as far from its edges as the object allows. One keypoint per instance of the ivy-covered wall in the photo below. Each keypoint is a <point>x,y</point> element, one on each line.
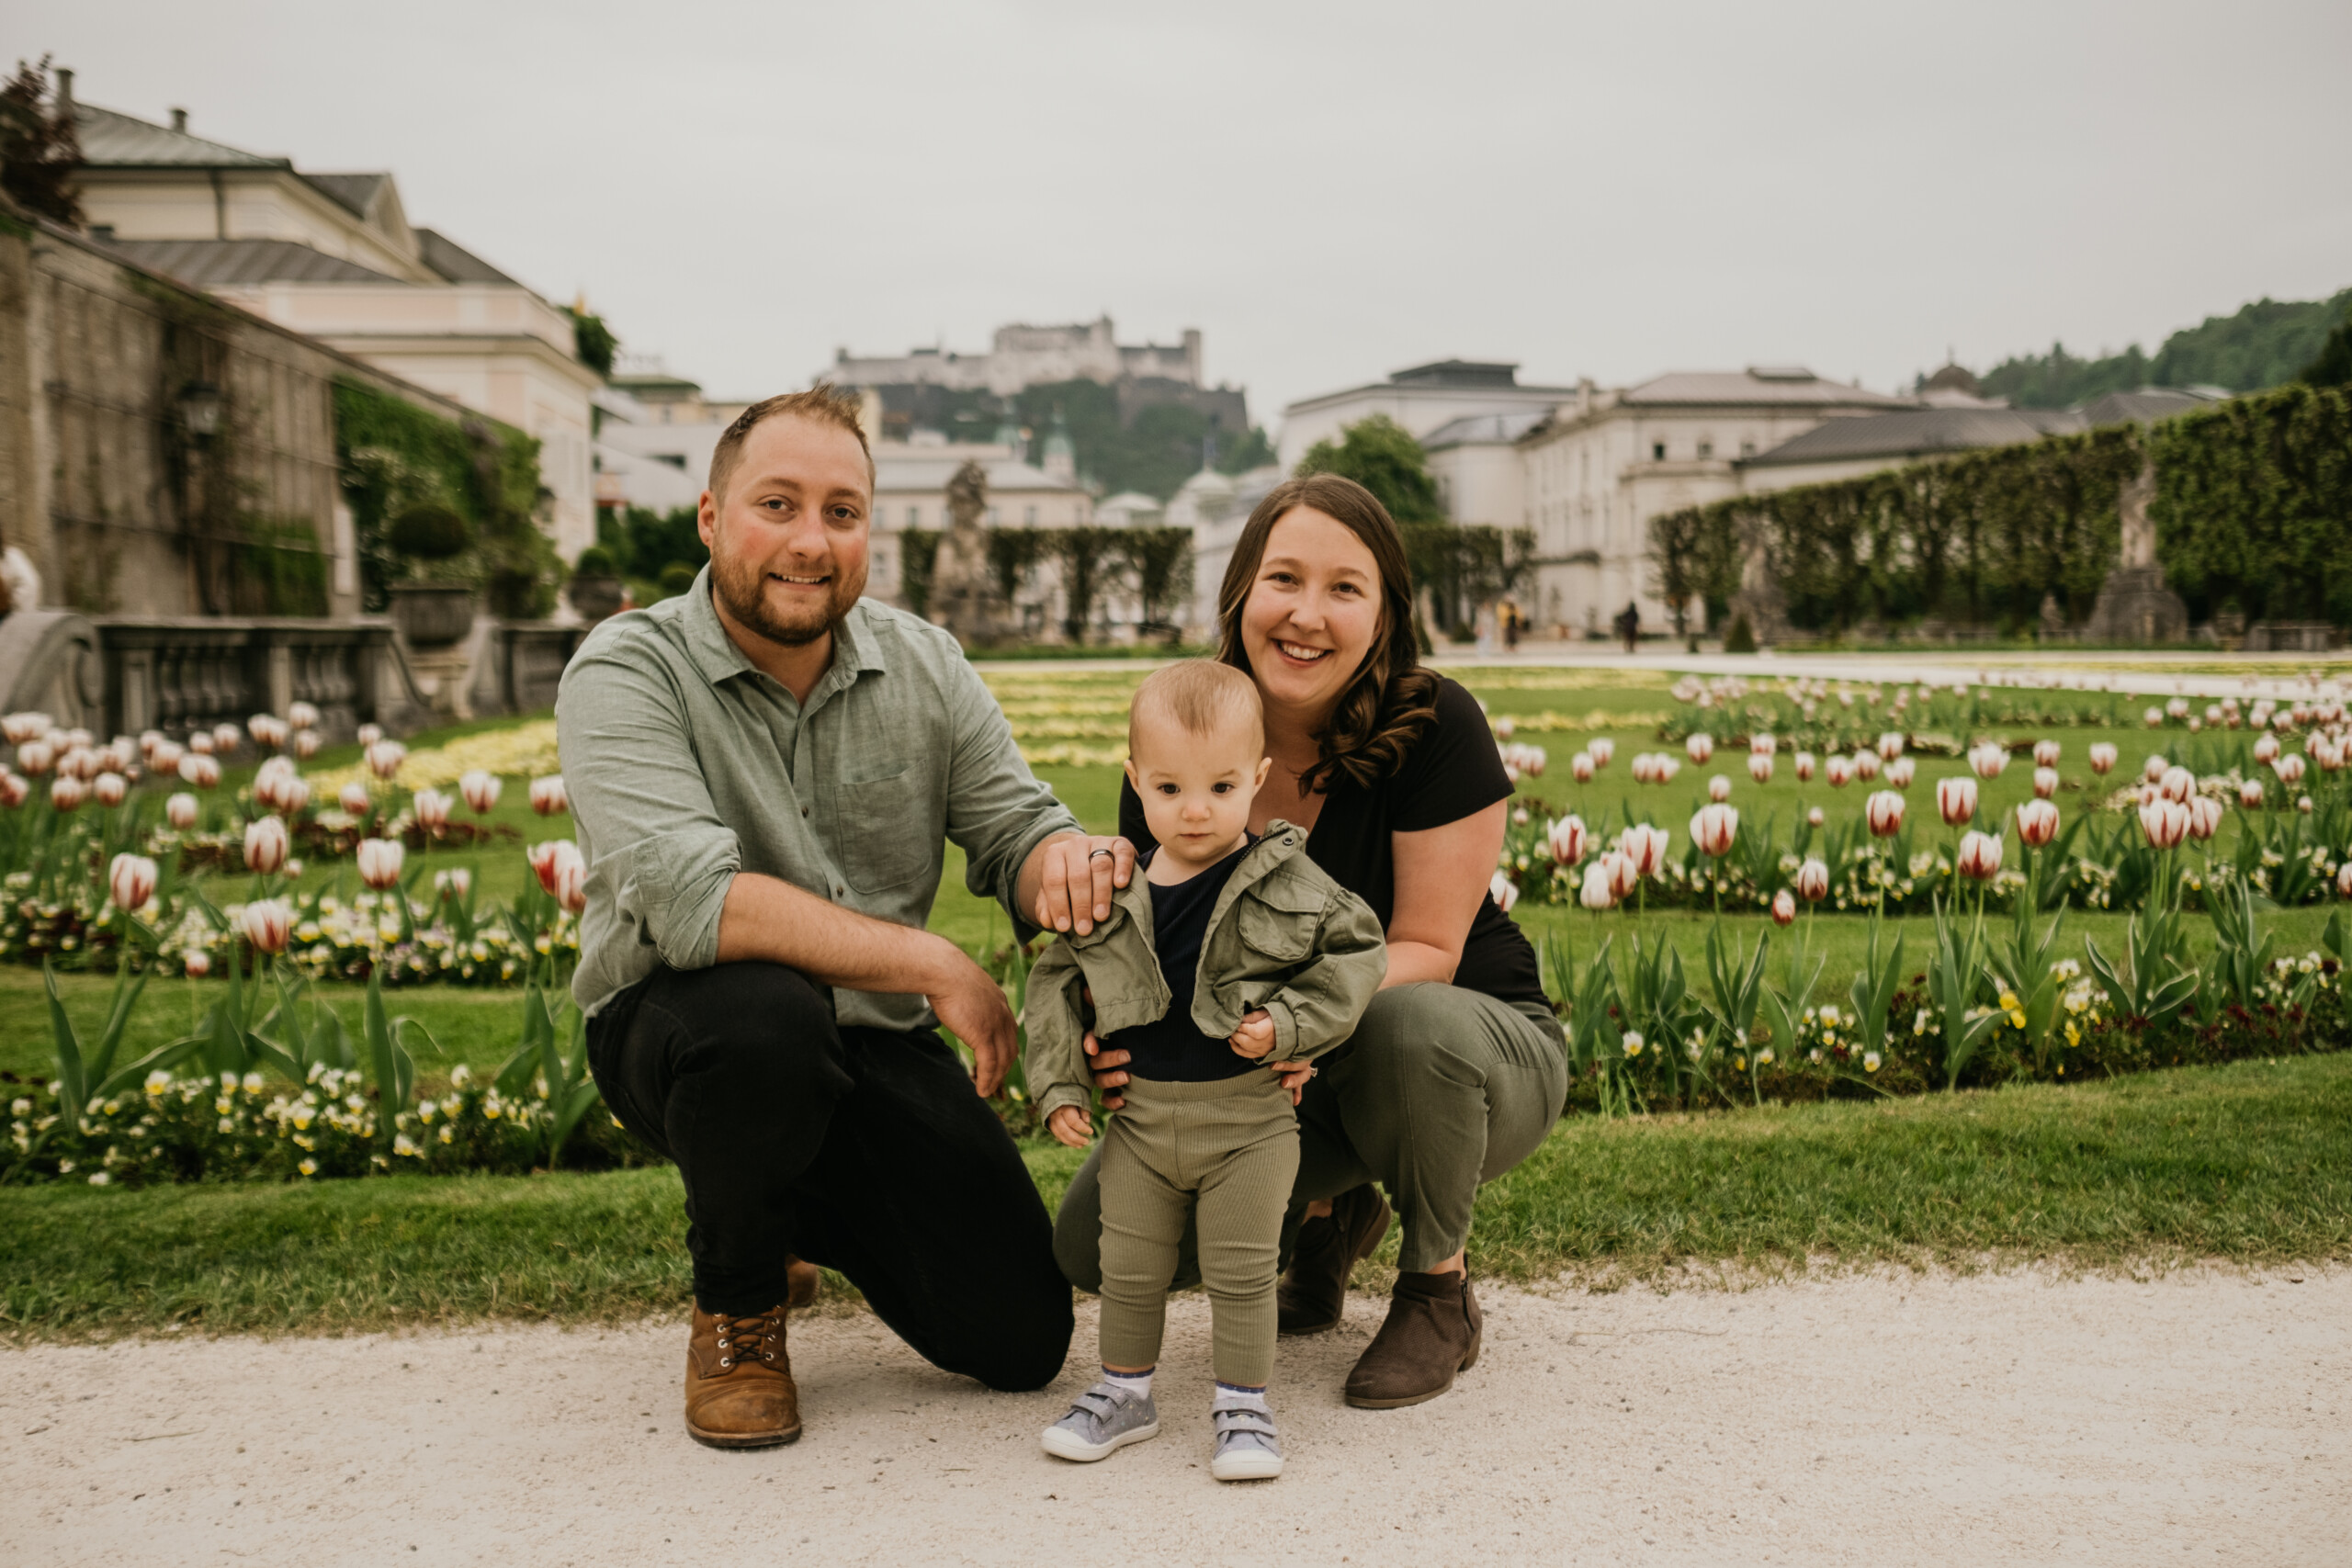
<point>2253,510</point>
<point>395,455</point>
<point>2254,505</point>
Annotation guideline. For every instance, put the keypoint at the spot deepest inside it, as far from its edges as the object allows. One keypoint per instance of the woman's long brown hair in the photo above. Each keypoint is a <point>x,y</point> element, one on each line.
<point>1392,698</point>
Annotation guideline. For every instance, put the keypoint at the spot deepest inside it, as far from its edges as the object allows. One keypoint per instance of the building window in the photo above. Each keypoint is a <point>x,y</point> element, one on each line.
<point>914,516</point>
<point>1747,448</point>
<point>1030,516</point>
<point>995,516</point>
<point>1706,449</point>
<point>1657,451</point>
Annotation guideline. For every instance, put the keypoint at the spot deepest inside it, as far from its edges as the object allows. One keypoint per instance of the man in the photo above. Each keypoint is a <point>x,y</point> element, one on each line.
<point>762,771</point>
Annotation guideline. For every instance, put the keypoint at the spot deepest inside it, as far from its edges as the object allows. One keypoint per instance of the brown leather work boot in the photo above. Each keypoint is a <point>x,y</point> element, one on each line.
<point>800,1282</point>
<point>1314,1292</point>
<point>739,1393</point>
<point>1432,1332</point>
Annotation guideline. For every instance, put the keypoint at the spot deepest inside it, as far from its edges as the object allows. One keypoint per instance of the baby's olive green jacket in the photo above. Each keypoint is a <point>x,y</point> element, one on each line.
<point>1282,936</point>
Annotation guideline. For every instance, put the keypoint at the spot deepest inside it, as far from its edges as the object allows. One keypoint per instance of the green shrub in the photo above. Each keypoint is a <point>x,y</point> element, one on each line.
<point>676,578</point>
<point>430,532</point>
<point>1741,637</point>
<point>594,562</point>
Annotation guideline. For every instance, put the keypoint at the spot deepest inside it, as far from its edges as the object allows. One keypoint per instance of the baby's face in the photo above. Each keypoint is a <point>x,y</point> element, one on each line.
<point>1196,789</point>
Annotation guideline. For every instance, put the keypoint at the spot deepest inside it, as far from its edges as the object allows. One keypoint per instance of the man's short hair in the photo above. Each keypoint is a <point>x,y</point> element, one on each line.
<point>825,403</point>
<point>1203,696</point>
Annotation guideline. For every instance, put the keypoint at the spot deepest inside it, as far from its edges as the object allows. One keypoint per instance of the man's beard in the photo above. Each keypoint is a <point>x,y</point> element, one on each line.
<point>741,588</point>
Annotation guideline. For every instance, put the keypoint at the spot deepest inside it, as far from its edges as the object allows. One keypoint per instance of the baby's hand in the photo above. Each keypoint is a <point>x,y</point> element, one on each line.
<point>1255,1037</point>
<point>1071,1125</point>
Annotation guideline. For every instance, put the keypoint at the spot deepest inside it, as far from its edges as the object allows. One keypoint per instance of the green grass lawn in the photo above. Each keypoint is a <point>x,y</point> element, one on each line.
<point>2250,1163</point>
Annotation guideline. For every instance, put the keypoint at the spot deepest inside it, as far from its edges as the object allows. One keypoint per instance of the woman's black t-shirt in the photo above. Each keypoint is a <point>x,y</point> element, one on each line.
<point>1454,770</point>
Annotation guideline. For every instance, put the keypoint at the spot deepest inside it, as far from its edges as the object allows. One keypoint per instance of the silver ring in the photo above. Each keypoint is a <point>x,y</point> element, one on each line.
<point>1103,853</point>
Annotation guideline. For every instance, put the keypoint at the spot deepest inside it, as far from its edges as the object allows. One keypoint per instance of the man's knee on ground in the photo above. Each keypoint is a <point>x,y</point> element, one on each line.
<point>1023,1353</point>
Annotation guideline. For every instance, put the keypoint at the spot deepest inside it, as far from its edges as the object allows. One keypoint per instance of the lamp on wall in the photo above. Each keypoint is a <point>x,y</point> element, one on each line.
<point>200,404</point>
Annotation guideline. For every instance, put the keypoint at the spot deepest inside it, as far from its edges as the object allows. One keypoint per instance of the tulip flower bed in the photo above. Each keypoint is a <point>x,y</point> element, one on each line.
<point>1988,837</point>
<point>343,872</point>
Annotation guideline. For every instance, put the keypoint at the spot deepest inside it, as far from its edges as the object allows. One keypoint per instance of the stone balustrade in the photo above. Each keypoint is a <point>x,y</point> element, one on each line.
<point>123,675</point>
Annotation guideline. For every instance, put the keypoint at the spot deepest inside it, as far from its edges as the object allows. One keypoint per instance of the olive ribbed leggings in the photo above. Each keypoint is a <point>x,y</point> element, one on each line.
<point>1228,1149</point>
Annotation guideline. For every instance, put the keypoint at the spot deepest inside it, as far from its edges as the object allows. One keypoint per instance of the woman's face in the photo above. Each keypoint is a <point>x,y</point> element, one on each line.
<point>1312,610</point>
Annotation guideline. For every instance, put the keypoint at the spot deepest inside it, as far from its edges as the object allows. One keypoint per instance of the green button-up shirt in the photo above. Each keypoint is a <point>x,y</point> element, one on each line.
<point>685,764</point>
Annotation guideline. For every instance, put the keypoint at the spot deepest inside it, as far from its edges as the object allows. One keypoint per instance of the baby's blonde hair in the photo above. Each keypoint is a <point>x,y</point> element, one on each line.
<point>1203,697</point>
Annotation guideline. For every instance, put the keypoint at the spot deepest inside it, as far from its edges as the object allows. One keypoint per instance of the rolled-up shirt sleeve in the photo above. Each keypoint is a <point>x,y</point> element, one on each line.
<point>659,856</point>
<point>998,811</point>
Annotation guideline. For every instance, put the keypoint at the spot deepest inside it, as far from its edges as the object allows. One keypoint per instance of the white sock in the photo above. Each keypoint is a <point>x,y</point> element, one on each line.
<point>1233,1396</point>
<point>1136,1384</point>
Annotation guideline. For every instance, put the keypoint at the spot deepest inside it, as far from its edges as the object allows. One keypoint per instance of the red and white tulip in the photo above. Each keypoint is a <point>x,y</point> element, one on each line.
<point>1979,856</point>
<point>1956,800</point>
<point>130,882</point>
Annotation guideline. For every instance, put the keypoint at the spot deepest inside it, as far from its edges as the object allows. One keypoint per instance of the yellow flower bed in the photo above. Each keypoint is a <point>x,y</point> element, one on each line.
<point>1596,718</point>
<point>527,751</point>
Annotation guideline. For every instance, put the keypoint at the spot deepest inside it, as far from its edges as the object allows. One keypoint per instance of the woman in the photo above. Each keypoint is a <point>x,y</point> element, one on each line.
<point>1456,1071</point>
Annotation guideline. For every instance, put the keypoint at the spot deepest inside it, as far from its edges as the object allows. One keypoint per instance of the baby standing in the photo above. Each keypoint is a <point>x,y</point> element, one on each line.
<point>1223,971</point>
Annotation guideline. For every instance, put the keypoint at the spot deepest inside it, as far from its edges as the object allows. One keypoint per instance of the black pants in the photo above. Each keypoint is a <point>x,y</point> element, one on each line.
<point>862,1149</point>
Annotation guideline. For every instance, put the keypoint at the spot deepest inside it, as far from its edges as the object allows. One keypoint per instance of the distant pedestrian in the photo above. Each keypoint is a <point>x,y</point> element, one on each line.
<point>1510,626</point>
<point>1628,626</point>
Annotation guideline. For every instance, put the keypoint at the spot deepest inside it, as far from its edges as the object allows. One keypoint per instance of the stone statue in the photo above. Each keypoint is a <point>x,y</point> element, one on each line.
<point>963,596</point>
<point>2134,604</point>
<point>2131,500</point>
<point>1758,597</point>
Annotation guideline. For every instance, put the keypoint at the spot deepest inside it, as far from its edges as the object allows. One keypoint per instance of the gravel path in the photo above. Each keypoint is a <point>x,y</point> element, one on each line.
<point>1871,1420</point>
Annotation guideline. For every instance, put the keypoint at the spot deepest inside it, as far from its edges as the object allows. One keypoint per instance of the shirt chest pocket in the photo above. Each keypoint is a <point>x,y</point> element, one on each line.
<point>1276,919</point>
<point>889,833</point>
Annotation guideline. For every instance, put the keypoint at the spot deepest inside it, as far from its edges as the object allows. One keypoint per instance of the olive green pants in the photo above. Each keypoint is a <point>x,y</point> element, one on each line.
<point>1441,1089</point>
<point>1213,1158</point>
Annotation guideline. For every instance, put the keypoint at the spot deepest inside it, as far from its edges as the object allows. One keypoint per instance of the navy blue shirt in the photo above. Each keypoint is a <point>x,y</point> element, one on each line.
<point>1172,1049</point>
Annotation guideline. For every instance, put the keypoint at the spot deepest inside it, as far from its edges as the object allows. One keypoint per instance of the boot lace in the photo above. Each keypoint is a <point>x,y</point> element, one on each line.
<point>748,1340</point>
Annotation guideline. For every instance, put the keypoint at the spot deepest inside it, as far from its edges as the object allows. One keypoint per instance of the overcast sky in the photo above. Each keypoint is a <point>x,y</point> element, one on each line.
<point>1328,192</point>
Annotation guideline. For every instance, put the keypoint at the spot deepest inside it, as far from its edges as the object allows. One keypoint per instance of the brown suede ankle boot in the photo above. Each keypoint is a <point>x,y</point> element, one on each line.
<point>1432,1332</point>
<point>800,1282</point>
<point>1314,1292</point>
<point>739,1393</point>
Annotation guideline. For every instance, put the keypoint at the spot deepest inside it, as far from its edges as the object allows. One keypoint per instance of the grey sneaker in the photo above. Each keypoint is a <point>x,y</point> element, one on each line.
<point>1247,1446</point>
<point>1104,1419</point>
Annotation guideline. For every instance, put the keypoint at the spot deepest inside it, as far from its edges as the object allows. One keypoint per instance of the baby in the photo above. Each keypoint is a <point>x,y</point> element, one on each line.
<point>1223,970</point>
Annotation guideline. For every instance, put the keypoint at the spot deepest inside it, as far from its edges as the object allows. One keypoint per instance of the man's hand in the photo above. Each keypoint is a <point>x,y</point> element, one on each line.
<point>974,1009</point>
<point>1255,1036</point>
<point>1071,1125</point>
<point>1110,1071</point>
<point>1294,1075</point>
<point>1076,875</point>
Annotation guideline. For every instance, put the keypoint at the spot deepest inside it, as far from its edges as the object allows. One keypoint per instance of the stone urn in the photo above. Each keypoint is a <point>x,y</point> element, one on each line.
<point>432,615</point>
<point>594,594</point>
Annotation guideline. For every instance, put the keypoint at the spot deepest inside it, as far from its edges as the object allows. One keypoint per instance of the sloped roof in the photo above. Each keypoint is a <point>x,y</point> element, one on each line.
<point>1790,387</point>
<point>453,261</point>
<point>351,192</point>
<point>216,263</point>
<point>2146,406</point>
<point>111,141</point>
<point>1916,433</point>
<point>1492,429</point>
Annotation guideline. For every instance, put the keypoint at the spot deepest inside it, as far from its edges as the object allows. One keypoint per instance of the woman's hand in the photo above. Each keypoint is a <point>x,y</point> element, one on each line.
<point>1294,1075</point>
<point>1071,1125</point>
<point>1110,1072</point>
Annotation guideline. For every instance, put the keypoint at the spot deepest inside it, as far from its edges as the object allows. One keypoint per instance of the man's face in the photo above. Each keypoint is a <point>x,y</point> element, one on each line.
<point>788,541</point>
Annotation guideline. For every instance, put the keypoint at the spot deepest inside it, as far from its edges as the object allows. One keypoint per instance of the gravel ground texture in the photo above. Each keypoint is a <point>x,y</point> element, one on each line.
<point>2200,1417</point>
